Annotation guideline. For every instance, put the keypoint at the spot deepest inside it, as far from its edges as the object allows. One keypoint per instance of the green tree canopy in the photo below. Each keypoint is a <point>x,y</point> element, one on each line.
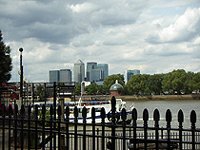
<point>175,81</point>
<point>5,61</point>
<point>139,85</point>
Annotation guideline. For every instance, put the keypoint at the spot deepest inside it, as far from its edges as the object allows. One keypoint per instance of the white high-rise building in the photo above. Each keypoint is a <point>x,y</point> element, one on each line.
<point>79,71</point>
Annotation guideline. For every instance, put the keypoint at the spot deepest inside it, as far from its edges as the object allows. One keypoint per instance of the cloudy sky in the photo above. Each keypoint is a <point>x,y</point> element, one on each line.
<point>155,36</point>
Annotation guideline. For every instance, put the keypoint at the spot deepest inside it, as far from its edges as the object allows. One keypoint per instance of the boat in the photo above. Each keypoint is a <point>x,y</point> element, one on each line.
<point>97,105</point>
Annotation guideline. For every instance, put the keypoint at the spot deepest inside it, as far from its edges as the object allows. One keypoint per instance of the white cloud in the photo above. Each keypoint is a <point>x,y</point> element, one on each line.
<point>185,28</point>
<point>151,36</point>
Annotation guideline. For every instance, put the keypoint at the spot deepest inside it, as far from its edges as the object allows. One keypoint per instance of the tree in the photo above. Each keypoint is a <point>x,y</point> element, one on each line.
<point>92,89</point>
<point>155,83</point>
<point>175,81</point>
<point>139,85</point>
<point>5,61</point>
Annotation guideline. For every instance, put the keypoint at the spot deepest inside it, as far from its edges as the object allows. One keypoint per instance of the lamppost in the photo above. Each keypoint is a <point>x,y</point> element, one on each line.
<point>21,75</point>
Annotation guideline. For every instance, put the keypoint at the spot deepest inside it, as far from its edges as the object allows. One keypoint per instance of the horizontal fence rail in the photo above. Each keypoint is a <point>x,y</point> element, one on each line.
<point>34,127</point>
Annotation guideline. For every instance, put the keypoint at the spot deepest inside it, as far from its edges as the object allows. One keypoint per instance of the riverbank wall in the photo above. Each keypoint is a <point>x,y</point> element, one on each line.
<point>160,97</point>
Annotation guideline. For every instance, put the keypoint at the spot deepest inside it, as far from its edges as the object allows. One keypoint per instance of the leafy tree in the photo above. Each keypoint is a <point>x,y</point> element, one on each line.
<point>110,80</point>
<point>139,85</point>
<point>175,81</point>
<point>77,89</point>
<point>5,61</point>
<point>92,89</point>
<point>196,82</point>
<point>155,83</point>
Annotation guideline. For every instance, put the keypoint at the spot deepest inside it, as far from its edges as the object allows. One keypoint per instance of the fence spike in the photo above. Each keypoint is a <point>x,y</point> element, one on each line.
<point>43,110</point>
<point>10,109</point>
<point>67,112</point>
<point>16,109</point>
<point>193,117</point>
<point>156,115</point>
<point>180,116</point>
<point>123,115</point>
<point>168,116</point>
<point>103,113</point>
<point>75,112</point>
<point>145,115</point>
<point>93,113</point>
<point>113,104</point>
<point>84,112</point>
<point>22,110</point>
<point>59,111</point>
<point>134,114</point>
<point>36,112</point>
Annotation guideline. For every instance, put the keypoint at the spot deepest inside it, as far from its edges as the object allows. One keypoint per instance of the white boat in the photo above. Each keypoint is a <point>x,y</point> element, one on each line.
<point>98,105</point>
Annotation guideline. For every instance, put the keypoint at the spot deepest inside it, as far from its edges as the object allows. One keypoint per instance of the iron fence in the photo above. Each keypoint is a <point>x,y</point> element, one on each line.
<point>34,127</point>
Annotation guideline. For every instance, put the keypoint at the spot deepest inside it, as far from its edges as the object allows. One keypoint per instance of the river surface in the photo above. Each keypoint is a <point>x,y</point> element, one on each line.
<point>162,105</point>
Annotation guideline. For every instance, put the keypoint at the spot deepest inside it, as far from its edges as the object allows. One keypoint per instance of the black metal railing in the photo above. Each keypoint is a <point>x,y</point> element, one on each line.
<point>33,127</point>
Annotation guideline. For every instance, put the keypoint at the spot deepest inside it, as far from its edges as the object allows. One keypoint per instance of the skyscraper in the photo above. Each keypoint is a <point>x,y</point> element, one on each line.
<point>103,71</point>
<point>96,72</point>
<point>79,71</point>
<point>65,75</point>
<point>91,66</point>
<point>130,73</point>
<point>54,76</point>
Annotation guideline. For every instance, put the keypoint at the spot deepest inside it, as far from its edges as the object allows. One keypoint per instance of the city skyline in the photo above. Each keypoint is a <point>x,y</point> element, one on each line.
<point>151,36</point>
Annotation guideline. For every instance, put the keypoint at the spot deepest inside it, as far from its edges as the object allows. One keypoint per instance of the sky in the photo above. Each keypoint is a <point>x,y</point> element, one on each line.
<point>154,36</point>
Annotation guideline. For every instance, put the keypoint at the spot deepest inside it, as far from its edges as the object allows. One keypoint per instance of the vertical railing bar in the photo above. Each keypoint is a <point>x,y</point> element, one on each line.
<point>36,127</point>
<point>93,128</point>
<point>22,112</point>
<point>4,128</point>
<point>15,128</point>
<point>29,128</point>
<point>9,126</point>
<point>43,125</point>
<point>67,127</point>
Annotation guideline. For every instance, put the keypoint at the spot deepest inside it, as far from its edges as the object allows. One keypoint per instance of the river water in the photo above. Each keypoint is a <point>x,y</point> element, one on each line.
<point>162,105</point>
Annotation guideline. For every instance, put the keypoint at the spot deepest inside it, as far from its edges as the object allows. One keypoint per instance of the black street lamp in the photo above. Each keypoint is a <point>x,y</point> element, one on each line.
<point>21,75</point>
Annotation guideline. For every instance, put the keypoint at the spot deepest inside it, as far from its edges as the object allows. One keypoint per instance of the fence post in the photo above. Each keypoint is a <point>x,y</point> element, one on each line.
<point>145,119</point>
<point>22,112</point>
<point>134,117</point>
<point>3,123</point>
<point>124,116</point>
<point>156,116</point>
<point>113,111</point>
<point>168,119</point>
<point>75,128</point>
<point>93,128</point>
<point>43,125</point>
<point>36,127</point>
<point>15,128</point>
<point>67,127</point>
<point>193,119</point>
<point>29,127</point>
<point>84,115</point>
<point>103,115</point>
<point>9,126</point>
<point>180,120</point>
<point>60,144</point>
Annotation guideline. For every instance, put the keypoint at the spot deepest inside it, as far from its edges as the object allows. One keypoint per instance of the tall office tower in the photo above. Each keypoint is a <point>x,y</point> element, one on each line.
<point>103,71</point>
<point>91,66</point>
<point>79,71</point>
<point>65,75</point>
<point>54,76</point>
<point>130,73</point>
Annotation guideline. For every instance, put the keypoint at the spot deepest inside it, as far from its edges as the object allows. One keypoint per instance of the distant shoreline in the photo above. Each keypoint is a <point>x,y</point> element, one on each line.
<point>160,97</point>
